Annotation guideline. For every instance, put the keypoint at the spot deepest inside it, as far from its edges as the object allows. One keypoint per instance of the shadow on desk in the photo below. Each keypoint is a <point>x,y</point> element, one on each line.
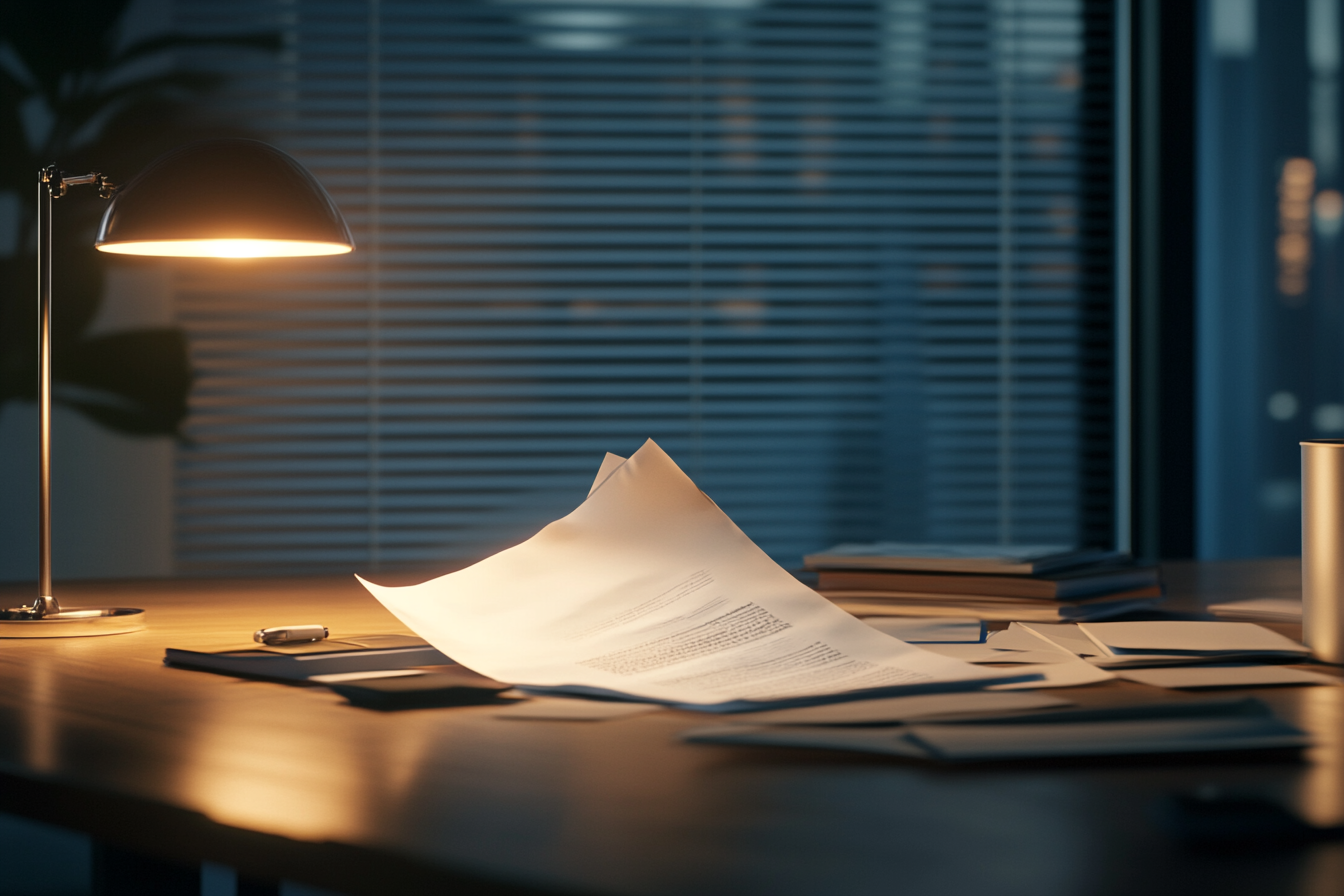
<point>43,860</point>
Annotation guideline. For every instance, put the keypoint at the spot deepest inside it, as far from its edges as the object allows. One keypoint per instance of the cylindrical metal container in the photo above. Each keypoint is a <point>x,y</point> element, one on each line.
<point>1323,548</point>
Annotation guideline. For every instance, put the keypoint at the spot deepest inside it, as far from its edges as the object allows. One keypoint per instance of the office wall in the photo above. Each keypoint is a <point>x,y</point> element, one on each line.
<point>111,493</point>
<point>112,508</point>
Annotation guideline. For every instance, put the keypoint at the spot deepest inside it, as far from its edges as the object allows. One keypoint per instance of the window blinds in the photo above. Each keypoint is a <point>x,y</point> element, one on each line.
<point>847,262</point>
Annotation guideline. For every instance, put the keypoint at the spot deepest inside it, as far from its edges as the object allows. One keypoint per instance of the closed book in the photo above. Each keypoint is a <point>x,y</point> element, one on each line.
<point>1050,586</point>
<point>938,599</point>
<point>1034,612</point>
<point>1023,560</point>
<point>300,662</point>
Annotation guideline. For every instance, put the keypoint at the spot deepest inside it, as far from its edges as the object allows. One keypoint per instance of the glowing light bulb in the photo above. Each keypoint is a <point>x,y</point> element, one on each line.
<point>226,248</point>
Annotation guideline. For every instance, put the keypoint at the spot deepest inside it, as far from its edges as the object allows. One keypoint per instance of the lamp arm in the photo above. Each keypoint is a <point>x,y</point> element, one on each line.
<point>57,182</point>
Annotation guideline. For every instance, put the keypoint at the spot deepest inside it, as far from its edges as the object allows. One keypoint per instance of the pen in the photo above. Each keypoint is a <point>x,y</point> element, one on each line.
<point>290,634</point>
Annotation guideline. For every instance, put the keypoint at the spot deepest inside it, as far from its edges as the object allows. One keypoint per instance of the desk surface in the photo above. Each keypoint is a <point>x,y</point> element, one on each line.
<point>280,781</point>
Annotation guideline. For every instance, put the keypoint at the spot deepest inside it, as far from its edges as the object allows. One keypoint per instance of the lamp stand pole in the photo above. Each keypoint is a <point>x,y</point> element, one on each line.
<point>46,603</point>
<point>44,618</point>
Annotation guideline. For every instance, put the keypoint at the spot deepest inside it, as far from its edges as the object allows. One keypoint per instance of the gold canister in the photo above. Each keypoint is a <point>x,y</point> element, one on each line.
<point>1323,548</point>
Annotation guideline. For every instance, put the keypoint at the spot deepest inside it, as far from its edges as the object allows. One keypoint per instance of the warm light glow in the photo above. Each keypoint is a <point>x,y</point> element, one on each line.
<point>226,248</point>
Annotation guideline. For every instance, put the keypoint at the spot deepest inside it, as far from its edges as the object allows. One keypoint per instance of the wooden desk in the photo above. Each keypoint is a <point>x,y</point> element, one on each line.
<point>289,782</point>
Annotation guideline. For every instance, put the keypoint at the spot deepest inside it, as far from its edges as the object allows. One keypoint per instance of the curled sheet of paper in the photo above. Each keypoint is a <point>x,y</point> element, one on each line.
<point>649,590</point>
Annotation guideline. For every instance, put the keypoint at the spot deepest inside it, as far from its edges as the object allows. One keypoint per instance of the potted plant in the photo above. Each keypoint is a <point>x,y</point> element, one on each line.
<point>77,92</point>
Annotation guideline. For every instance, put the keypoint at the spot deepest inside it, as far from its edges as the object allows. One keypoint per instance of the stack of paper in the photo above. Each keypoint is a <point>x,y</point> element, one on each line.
<point>986,559</point>
<point>872,603</point>
<point>1040,583</point>
<point>648,590</point>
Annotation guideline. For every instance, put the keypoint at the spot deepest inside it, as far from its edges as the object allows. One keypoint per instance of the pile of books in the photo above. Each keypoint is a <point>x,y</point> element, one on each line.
<point>1023,583</point>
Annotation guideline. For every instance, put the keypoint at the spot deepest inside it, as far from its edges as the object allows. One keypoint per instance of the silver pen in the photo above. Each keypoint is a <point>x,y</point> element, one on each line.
<point>290,634</point>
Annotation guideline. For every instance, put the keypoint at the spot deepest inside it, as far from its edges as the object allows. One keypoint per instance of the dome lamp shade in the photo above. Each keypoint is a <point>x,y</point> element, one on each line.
<point>224,199</point>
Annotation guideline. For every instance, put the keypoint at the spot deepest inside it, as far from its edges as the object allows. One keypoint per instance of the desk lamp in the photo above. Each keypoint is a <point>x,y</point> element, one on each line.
<point>215,199</point>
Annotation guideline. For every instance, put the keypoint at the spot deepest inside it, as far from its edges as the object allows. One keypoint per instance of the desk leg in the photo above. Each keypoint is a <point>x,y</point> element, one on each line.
<point>120,872</point>
<point>249,887</point>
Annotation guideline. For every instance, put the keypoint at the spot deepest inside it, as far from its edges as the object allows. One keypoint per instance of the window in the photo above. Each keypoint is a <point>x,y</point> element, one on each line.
<point>1270,213</point>
<point>849,263</point>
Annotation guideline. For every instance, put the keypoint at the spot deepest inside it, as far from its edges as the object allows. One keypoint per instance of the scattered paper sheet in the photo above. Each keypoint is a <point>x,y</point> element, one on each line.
<point>1017,637</point>
<point>1119,638</point>
<point>648,589</point>
<point>1072,637</point>
<point>903,709</point>
<point>1066,636</point>
<point>925,630</point>
<point>560,710</point>
<point>969,743</point>
<point>1058,675</point>
<point>1014,637</point>
<point>1000,741</point>
<point>1238,676</point>
<point>983,653</point>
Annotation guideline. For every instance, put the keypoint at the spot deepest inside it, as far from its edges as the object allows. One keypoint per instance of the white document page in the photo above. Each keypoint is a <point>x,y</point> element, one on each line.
<point>648,589</point>
<point>1065,636</point>
<point>1225,676</point>
<point>1015,637</point>
<point>1018,638</point>
<point>1119,638</point>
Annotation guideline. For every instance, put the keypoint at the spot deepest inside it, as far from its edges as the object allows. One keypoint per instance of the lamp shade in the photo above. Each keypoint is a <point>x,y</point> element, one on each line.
<point>224,199</point>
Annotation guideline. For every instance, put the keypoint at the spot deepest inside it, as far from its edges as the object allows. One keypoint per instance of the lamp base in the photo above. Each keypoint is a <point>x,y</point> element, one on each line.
<point>80,622</point>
